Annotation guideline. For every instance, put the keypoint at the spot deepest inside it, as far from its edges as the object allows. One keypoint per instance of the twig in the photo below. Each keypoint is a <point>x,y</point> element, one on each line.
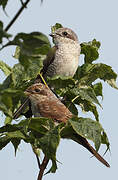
<point>38,161</point>
<point>42,168</point>
<point>17,15</point>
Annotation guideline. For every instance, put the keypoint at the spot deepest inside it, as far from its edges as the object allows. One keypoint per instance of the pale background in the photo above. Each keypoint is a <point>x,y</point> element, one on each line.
<point>89,19</point>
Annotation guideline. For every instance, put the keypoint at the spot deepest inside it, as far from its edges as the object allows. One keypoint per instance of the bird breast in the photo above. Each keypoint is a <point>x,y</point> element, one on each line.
<point>66,60</point>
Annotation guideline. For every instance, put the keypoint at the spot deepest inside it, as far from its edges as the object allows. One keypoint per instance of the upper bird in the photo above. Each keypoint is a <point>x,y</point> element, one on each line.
<point>62,59</point>
<point>44,103</point>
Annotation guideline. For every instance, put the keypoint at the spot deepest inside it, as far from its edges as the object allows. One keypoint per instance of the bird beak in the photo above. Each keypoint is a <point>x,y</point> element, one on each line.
<point>52,34</point>
<point>27,92</point>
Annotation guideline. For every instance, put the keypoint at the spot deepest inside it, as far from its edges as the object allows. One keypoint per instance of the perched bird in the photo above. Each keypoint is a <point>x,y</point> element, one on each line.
<point>62,59</point>
<point>44,103</point>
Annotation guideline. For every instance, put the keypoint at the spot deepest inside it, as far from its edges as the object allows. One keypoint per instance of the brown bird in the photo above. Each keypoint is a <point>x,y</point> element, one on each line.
<point>62,59</point>
<point>44,103</point>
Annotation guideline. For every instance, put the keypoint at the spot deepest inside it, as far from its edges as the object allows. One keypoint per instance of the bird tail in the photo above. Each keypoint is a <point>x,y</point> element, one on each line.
<point>81,140</point>
<point>19,111</point>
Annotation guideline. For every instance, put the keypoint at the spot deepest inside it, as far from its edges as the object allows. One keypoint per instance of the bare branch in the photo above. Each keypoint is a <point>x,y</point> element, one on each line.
<point>24,5</point>
<point>42,168</point>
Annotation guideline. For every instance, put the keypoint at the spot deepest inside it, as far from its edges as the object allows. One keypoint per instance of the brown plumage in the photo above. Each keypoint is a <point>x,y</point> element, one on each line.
<point>44,103</point>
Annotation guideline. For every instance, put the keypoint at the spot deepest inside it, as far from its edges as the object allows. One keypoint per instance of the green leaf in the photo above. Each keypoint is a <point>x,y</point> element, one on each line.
<point>91,72</point>
<point>32,44</point>
<point>5,68</point>
<point>49,143</point>
<point>8,128</point>
<point>90,50</point>
<point>61,82</point>
<point>15,143</point>
<point>53,167</point>
<point>21,76</point>
<point>8,120</point>
<point>104,140</point>
<point>16,134</point>
<point>6,105</point>
<point>88,128</point>
<point>3,3</point>
<point>73,108</point>
<point>98,89</point>
<point>17,53</point>
<point>55,27</point>
<point>40,124</point>
<point>112,83</point>
<point>7,83</point>
<point>4,141</point>
<point>88,106</point>
<point>3,34</point>
<point>87,93</point>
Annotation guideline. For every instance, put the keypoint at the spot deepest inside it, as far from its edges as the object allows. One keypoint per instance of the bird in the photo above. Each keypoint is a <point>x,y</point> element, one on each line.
<point>44,103</point>
<point>62,59</point>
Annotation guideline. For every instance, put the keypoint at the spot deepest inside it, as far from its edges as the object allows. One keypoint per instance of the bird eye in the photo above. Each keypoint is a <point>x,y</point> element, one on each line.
<point>65,33</point>
<point>37,90</point>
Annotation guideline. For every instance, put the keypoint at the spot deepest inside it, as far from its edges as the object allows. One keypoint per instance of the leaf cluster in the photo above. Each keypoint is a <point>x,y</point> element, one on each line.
<point>80,91</point>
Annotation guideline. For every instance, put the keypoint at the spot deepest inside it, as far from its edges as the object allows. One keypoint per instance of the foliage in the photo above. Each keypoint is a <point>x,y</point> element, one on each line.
<point>82,90</point>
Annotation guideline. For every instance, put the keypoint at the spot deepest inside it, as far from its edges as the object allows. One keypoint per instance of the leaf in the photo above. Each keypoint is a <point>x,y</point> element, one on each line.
<point>15,143</point>
<point>55,27</point>
<point>91,72</point>
<point>49,143</point>
<point>87,93</point>
<point>112,83</point>
<point>53,167</point>
<point>16,134</point>
<point>31,50</point>
<point>98,89</point>
<point>73,109</point>
<point>90,50</point>
<point>17,53</point>
<point>88,128</point>
<point>61,82</point>
<point>8,120</point>
<point>21,76</point>
<point>8,128</point>
<point>5,68</point>
<point>40,124</point>
<point>7,83</point>
<point>3,34</point>
<point>32,44</point>
<point>88,106</point>
<point>3,3</point>
<point>4,141</point>
<point>6,105</point>
<point>104,140</point>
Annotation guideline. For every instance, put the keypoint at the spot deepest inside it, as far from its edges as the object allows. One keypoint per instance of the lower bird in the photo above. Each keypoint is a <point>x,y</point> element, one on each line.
<point>44,103</point>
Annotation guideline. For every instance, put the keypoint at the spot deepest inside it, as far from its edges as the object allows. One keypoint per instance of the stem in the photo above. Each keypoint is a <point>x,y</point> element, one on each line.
<point>38,161</point>
<point>17,15</point>
<point>42,168</point>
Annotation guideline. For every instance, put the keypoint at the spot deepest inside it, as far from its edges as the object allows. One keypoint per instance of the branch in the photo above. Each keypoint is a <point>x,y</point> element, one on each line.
<point>38,161</point>
<point>17,15</point>
<point>42,168</point>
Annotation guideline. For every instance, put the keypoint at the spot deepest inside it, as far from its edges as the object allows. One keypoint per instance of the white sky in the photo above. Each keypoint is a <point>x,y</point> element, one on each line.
<point>89,19</point>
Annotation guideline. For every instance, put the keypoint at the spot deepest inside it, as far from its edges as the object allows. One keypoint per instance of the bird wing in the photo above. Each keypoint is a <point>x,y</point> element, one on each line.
<point>49,59</point>
<point>55,109</point>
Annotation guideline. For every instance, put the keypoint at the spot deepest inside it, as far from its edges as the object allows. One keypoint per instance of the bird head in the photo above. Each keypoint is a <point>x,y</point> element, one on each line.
<point>37,90</point>
<point>64,35</point>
